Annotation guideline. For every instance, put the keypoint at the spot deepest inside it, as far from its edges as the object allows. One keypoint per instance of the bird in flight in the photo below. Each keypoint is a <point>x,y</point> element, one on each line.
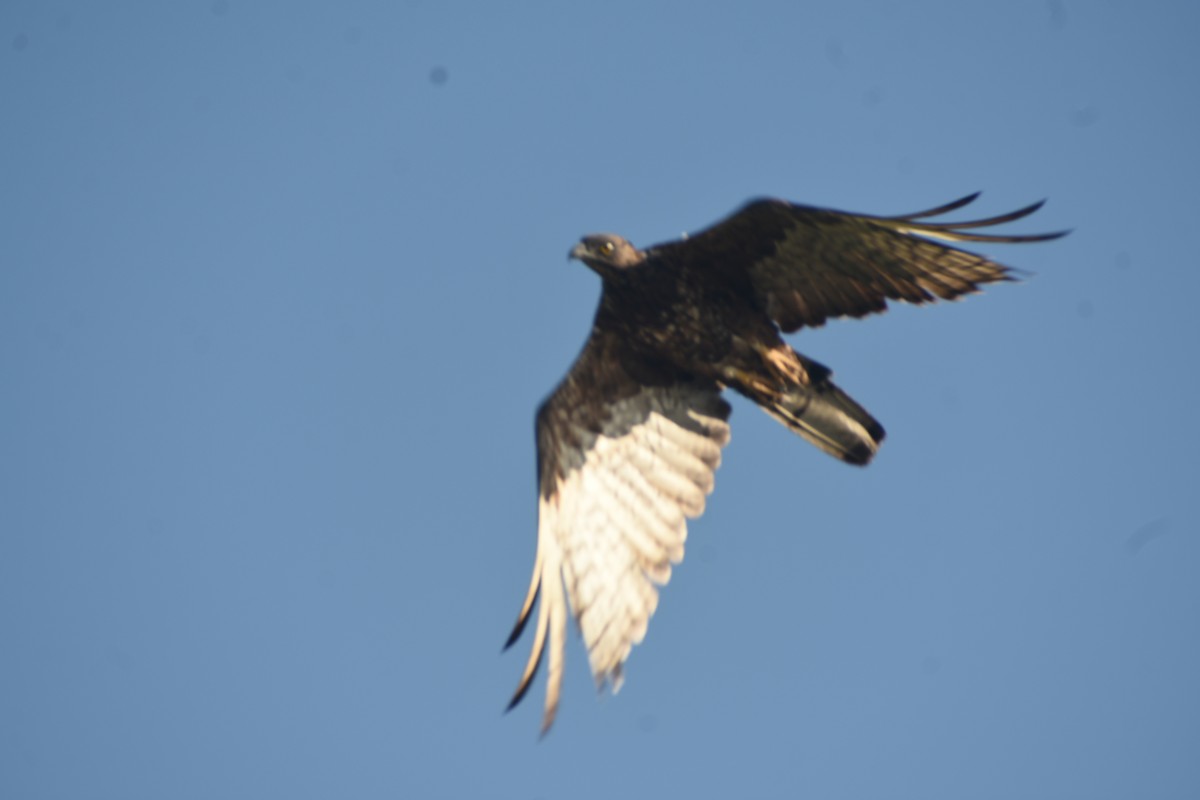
<point>628,443</point>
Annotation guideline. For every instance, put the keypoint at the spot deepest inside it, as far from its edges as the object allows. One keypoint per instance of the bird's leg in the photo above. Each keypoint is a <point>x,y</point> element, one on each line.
<point>763,369</point>
<point>782,360</point>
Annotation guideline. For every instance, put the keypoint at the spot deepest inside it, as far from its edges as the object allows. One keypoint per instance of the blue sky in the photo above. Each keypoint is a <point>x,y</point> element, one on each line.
<point>281,285</point>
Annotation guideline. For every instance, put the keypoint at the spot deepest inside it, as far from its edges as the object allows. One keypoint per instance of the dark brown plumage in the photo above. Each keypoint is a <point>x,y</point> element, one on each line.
<point>629,441</point>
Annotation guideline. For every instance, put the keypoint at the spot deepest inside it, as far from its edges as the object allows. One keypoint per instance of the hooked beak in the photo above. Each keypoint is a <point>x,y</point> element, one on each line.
<point>578,251</point>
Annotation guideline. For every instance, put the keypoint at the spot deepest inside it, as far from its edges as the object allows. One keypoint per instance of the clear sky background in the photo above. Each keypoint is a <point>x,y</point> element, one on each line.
<point>281,285</point>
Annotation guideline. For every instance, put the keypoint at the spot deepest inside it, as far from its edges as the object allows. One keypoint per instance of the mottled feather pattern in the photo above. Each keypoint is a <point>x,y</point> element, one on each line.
<point>612,527</point>
<point>808,264</point>
<point>629,441</point>
<point>813,276</point>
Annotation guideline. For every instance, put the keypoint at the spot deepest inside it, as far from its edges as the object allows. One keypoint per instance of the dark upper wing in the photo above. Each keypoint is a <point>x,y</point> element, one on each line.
<point>623,460</point>
<point>809,264</point>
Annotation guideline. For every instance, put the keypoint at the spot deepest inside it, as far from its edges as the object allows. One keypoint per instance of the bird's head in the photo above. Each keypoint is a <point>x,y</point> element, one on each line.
<point>607,253</point>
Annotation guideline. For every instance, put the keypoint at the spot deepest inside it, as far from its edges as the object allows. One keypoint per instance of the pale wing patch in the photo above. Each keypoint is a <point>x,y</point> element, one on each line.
<point>615,524</point>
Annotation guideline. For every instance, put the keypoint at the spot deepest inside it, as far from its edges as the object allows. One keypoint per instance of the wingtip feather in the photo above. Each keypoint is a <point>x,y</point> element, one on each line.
<point>518,628</point>
<point>964,231</point>
<point>953,205</point>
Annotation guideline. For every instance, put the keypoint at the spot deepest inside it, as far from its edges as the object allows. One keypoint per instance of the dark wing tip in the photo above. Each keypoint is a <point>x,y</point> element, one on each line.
<point>517,630</point>
<point>1021,238</point>
<point>965,231</point>
<point>522,690</point>
<point>953,205</point>
<point>526,682</point>
<point>522,620</point>
<point>1049,237</point>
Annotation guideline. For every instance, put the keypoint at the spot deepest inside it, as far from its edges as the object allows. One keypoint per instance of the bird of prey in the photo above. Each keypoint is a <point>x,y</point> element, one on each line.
<point>628,443</point>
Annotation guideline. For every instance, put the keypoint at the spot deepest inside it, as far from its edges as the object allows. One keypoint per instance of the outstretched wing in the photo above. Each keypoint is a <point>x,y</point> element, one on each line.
<point>623,461</point>
<point>809,264</point>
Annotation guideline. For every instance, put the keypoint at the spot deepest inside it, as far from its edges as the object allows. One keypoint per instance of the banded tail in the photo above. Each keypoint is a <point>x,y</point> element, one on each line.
<point>826,416</point>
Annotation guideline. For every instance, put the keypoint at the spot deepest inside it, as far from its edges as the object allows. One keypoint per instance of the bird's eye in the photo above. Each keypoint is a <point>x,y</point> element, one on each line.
<point>607,248</point>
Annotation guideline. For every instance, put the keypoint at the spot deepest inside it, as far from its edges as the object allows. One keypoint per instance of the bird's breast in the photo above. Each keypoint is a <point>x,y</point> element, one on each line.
<point>671,321</point>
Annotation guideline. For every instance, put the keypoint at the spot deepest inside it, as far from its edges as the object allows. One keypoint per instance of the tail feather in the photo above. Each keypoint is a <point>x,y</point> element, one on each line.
<point>828,417</point>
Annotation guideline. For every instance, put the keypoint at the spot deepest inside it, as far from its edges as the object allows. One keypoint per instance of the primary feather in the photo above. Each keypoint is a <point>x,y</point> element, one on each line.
<point>629,442</point>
